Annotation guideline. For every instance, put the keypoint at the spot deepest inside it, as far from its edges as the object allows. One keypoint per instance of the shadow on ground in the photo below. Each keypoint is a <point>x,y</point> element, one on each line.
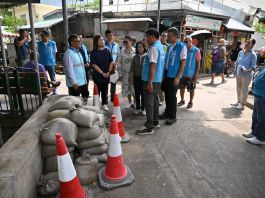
<point>192,158</point>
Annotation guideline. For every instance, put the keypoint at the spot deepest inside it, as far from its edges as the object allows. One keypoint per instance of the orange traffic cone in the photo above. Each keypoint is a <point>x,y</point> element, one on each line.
<point>117,112</point>
<point>115,173</point>
<point>96,101</point>
<point>69,183</point>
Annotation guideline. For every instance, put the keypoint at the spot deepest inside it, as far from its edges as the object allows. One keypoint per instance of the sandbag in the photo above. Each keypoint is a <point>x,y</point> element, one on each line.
<point>101,120</point>
<point>95,150</point>
<point>83,117</point>
<point>50,150</point>
<point>50,163</point>
<point>67,103</point>
<point>92,143</point>
<point>57,114</point>
<point>101,158</point>
<point>67,128</point>
<point>93,108</point>
<point>49,184</point>
<point>86,134</point>
<point>86,169</point>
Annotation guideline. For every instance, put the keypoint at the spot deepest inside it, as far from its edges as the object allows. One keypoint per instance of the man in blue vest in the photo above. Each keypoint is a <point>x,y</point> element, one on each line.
<point>115,51</point>
<point>47,53</point>
<point>175,63</point>
<point>74,69</point>
<point>152,73</point>
<point>84,53</point>
<point>191,71</point>
<point>257,133</point>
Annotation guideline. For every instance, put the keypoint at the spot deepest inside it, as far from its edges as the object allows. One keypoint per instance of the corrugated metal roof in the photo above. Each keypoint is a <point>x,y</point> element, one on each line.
<point>44,24</point>
<point>126,20</point>
<point>236,25</point>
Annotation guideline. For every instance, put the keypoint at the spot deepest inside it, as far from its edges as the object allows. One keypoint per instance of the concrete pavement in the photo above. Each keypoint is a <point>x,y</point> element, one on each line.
<point>202,155</point>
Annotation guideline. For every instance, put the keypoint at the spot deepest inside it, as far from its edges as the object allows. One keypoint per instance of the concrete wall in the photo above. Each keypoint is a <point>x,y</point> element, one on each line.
<point>20,157</point>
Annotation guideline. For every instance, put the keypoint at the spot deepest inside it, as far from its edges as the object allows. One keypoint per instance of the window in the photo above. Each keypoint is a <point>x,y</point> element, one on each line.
<point>110,2</point>
<point>126,0</point>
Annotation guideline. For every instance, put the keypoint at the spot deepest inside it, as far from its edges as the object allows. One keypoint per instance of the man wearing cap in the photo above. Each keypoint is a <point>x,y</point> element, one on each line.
<point>22,47</point>
<point>218,60</point>
<point>47,53</point>
<point>191,71</point>
<point>245,65</point>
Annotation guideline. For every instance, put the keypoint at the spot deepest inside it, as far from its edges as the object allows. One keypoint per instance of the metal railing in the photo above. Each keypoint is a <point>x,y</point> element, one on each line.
<point>21,97</point>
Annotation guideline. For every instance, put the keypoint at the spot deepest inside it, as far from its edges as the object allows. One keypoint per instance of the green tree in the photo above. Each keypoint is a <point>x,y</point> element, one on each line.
<point>10,21</point>
<point>259,27</point>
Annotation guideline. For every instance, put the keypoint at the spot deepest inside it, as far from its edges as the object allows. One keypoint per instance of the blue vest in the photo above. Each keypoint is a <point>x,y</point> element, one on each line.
<point>78,67</point>
<point>86,52</point>
<point>47,54</point>
<point>191,63</point>
<point>114,49</point>
<point>174,60</point>
<point>159,65</point>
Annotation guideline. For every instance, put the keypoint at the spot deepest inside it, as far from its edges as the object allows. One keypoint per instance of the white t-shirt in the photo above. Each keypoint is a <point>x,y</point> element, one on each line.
<point>153,54</point>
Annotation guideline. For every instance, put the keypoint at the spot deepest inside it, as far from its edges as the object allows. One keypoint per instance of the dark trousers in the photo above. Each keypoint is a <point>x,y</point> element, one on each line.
<point>170,97</point>
<point>103,92</point>
<point>258,118</point>
<point>51,71</point>
<point>112,90</point>
<point>139,92</point>
<point>81,90</point>
<point>151,101</point>
<point>87,77</point>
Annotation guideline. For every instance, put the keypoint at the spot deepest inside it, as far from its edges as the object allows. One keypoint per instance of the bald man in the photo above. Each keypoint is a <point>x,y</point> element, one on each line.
<point>191,71</point>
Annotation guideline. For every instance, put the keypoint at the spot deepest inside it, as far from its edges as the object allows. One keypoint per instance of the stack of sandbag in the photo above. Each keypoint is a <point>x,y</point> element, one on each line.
<point>86,169</point>
<point>92,136</point>
<point>68,129</point>
<point>49,185</point>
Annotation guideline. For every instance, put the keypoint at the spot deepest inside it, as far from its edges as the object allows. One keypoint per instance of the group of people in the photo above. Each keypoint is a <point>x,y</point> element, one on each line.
<point>152,70</point>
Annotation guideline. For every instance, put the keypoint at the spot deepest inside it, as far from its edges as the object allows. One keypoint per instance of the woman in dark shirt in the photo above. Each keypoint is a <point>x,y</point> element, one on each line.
<point>136,71</point>
<point>101,61</point>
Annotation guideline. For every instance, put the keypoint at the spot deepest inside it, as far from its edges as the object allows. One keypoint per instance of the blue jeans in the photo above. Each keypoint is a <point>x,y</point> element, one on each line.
<point>51,71</point>
<point>258,119</point>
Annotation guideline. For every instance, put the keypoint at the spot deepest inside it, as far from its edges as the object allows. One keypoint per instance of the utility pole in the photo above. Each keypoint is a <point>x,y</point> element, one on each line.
<point>211,6</point>
<point>65,24</point>
<point>100,16</point>
<point>158,16</point>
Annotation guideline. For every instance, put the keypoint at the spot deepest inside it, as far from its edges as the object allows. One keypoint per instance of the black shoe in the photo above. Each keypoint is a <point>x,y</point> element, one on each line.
<point>163,116</point>
<point>144,131</point>
<point>170,121</point>
<point>248,135</point>
<point>154,126</point>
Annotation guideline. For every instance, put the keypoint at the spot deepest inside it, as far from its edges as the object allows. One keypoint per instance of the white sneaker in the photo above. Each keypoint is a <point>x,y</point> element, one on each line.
<point>240,107</point>
<point>105,108</point>
<point>137,111</point>
<point>143,113</point>
<point>212,82</point>
<point>129,106</point>
<point>235,104</point>
<point>254,140</point>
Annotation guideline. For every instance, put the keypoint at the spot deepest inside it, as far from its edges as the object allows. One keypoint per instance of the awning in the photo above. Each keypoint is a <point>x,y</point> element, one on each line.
<point>127,20</point>
<point>202,22</point>
<point>238,26</point>
<point>43,24</point>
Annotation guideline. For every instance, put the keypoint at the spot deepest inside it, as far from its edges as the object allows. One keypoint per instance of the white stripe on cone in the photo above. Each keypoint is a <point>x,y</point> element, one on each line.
<point>117,113</point>
<point>66,168</point>
<point>114,149</point>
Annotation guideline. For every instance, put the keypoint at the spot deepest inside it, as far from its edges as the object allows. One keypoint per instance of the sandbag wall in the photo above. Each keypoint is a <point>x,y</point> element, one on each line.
<point>84,132</point>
